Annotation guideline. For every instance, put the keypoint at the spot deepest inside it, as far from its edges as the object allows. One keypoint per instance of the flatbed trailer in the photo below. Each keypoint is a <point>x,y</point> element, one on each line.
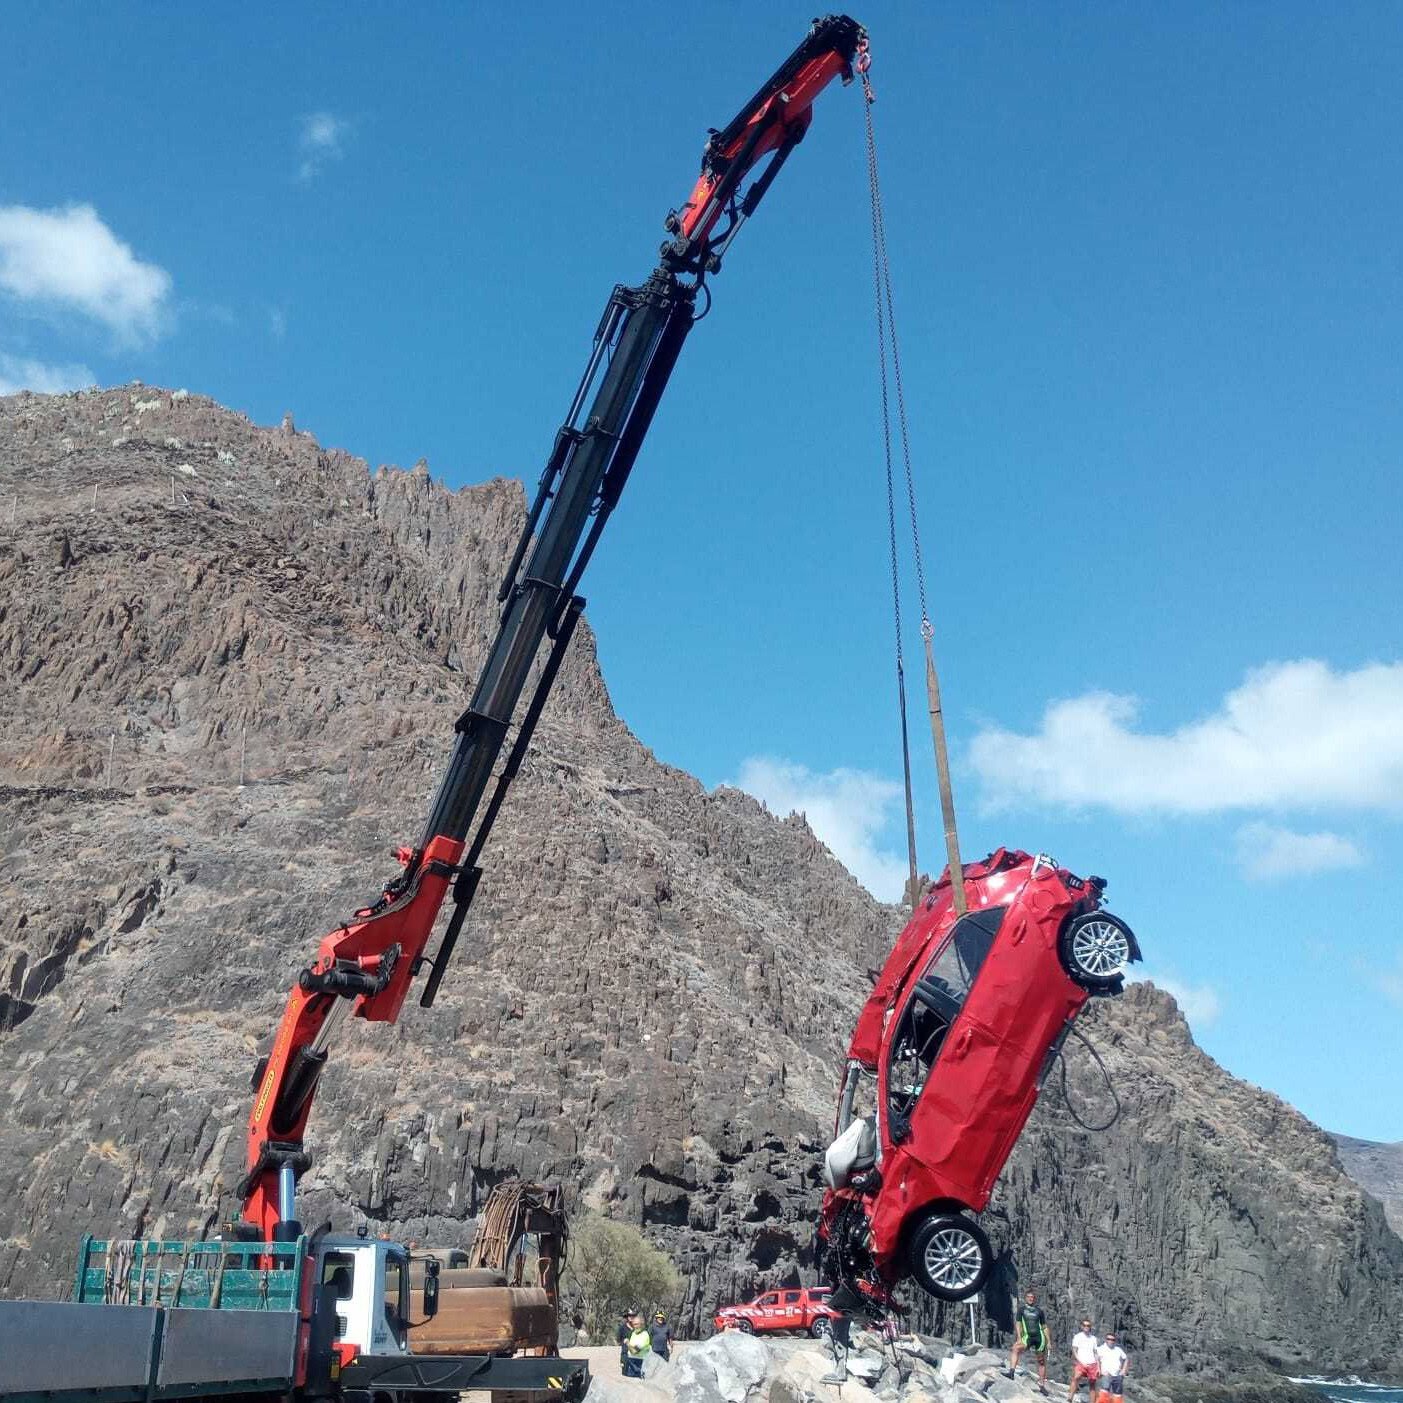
<point>250,1321</point>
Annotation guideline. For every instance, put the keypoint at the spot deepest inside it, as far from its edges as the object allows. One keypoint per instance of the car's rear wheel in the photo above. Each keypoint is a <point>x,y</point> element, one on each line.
<point>1095,948</point>
<point>949,1256</point>
<point>821,1328</point>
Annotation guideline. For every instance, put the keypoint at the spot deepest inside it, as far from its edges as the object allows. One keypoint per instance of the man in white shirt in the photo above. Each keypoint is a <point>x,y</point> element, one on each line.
<point>1085,1364</point>
<point>1115,1363</point>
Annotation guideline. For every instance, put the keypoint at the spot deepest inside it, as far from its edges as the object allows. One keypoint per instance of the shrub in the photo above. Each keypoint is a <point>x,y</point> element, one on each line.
<point>612,1266</point>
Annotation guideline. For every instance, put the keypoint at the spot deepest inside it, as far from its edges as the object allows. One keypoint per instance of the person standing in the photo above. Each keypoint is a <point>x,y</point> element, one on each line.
<point>660,1336</point>
<point>637,1347</point>
<point>621,1335</point>
<point>1030,1333</point>
<point>1115,1364</point>
<point>1086,1366</point>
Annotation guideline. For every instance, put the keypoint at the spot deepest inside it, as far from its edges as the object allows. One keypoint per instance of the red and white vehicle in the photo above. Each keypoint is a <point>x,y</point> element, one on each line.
<point>950,1052</point>
<point>790,1308</point>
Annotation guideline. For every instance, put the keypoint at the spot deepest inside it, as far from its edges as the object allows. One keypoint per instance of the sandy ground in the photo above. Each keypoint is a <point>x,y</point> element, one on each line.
<point>604,1364</point>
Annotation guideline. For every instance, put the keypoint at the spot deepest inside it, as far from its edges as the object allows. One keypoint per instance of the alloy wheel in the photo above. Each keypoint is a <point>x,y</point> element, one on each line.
<point>953,1259</point>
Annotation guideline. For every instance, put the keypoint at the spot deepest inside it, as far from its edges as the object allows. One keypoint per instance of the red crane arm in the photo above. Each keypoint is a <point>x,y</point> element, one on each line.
<point>776,118</point>
<point>364,967</point>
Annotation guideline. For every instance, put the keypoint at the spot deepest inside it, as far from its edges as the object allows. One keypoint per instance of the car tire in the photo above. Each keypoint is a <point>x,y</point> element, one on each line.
<point>745,1327</point>
<point>1095,949</point>
<point>949,1256</point>
<point>822,1328</point>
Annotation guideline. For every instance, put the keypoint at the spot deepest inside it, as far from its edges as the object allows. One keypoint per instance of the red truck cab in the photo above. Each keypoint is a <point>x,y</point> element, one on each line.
<point>788,1308</point>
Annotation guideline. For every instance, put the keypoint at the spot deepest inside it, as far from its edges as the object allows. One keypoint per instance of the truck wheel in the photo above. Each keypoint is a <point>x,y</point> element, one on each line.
<point>822,1328</point>
<point>949,1256</point>
<point>1095,948</point>
<point>745,1327</point>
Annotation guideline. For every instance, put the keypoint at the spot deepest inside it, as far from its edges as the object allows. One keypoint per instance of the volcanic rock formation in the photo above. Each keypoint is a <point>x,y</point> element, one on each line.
<point>233,661</point>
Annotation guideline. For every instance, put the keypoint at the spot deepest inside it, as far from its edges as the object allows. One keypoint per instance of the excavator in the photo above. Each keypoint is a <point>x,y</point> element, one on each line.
<point>271,1309</point>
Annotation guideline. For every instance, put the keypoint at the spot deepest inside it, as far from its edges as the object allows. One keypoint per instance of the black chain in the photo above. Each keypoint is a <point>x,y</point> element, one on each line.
<point>881,265</point>
<point>882,299</point>
<point>878,247</point>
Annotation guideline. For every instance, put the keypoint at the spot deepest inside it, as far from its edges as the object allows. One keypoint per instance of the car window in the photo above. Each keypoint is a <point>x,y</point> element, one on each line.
<point>936,999</point>
<point>952,972</point>
<point>771,1299</point>
<point>791,1298</point>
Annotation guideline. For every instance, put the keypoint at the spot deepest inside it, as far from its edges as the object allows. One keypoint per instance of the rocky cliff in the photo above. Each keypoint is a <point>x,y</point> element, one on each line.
<point>232,665</point>
<point>1378,1169</point>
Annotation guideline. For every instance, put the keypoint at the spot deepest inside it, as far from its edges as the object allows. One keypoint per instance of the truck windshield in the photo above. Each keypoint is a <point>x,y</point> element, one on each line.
<point>936,999</point>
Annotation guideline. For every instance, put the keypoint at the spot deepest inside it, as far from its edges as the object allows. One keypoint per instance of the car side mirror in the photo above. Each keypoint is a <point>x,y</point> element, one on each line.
<point>431,1288</point>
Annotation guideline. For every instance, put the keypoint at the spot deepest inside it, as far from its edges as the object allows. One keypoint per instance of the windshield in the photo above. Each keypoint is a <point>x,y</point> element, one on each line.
<point>936,1000</point>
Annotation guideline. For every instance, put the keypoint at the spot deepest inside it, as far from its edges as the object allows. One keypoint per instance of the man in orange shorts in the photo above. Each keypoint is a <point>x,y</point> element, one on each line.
<point>1086,1365</point>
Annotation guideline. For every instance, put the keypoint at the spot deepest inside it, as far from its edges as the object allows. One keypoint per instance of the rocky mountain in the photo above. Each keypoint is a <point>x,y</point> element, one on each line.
<point>232,665</point>
<point>1378,1169</point>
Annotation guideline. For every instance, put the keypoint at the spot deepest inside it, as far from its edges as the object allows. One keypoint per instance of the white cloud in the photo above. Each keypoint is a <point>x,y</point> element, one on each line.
<point>277,323</point>
<point>320,141</point>
<point>20,373</point>
<point>1391,981</point>
<point>1293,734</point>
<point>69,259</point>
<point>1199,1003</point>
<point>847,809</point>
<point>1264,852</point>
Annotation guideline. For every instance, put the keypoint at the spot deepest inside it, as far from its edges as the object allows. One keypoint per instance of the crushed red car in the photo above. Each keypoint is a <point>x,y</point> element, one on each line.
<point>790,1308</point>
<point>951,1049</point>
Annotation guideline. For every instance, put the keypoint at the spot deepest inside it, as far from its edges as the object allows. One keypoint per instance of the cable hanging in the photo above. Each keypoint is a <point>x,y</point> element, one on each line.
<point>886,332</point>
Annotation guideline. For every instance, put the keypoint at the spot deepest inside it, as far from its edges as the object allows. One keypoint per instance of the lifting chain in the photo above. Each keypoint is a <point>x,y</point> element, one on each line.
<point>886,333</point>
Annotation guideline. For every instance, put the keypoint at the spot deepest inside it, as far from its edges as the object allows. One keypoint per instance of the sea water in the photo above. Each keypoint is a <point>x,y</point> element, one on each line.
<point>1350,1390</point>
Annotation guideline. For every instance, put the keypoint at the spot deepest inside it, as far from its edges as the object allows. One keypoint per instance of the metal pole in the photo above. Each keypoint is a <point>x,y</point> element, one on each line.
<point>111,747</point>
<point>14,507</point>
<point>243,748</point>
<point>942,770</point>
<point>93,508</point>
<point>172,489</point>
<point>287,1193</point>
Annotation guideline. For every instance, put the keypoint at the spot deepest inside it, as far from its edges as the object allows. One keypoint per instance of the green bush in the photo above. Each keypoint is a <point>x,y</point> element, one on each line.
<point>612,1266</point>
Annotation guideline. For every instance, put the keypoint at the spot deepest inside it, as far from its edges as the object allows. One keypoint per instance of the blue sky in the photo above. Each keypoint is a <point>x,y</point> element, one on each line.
<point>1147,263</point>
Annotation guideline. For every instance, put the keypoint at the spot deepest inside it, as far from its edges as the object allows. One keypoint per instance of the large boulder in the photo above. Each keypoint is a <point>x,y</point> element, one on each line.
<point>727,1368</point>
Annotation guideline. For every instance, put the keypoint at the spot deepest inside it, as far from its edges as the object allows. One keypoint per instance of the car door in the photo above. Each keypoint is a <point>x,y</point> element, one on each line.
<point>791,1306</point>
<point>944,1080</point>
<point>767,1311</point>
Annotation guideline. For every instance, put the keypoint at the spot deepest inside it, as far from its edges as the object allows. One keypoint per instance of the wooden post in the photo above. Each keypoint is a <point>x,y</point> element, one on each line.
<point>172,489</point>
<point>942,770</point>
<point>111,748</point>
<point>243,748</point>
<point>14,507</point>
<point>93,507</point>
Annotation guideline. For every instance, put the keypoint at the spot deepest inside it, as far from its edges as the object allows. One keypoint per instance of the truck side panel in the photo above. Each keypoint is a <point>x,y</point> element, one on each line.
<point>58,1347</point>
<point>62,1352</point>
<point>244,1349</point>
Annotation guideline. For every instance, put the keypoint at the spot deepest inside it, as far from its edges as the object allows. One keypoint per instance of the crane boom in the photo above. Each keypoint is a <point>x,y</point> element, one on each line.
<point>364,967</point>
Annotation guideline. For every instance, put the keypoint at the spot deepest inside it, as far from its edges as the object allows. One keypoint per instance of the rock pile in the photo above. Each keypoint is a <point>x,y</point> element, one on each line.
<point>913,1368</point>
